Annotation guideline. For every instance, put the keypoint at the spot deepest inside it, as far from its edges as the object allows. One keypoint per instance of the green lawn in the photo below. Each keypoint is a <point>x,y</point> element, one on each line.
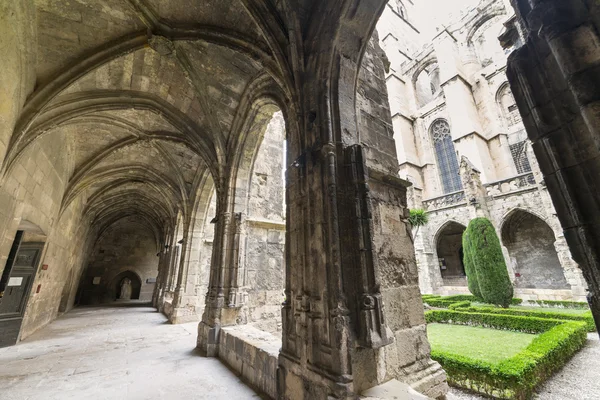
<point>483,344</point>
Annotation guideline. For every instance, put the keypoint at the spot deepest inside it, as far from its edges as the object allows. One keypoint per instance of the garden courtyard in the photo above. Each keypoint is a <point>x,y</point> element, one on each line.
<point>544,350</point>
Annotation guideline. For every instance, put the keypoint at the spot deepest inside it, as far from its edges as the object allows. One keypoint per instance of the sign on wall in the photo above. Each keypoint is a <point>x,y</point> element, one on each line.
<point>15,281</point>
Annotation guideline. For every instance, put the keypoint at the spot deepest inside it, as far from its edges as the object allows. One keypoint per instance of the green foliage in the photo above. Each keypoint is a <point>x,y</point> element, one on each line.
<point>584,317</point>
<point>470,270</point>
<point>515,377</point>
<point>495,321</point>
<point>418,217</point>
<point>459,304</point>
<point>451,301</point>
<point>559,303</point>
<point>485,255</point>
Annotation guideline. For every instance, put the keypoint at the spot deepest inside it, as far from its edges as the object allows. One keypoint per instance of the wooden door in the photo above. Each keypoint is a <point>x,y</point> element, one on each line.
<point>17,290</point>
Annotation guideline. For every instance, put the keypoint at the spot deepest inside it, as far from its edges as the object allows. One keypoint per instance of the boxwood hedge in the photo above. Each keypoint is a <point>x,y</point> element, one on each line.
<point>447,301</point>
<point>515,377</point>
<point>586,317</point>
<point>561,303</point>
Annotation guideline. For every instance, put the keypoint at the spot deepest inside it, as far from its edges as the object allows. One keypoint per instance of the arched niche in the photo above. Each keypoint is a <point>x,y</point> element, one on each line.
<point>115,286</point>
<point>530,244</point>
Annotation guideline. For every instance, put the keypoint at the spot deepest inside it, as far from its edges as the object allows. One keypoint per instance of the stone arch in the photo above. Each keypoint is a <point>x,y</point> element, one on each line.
<point>136,284</point>
<point>479,39</point>
<point>448,245</point>
<point>507,105</point>
<point>530,244</point>
<point>426,81</point>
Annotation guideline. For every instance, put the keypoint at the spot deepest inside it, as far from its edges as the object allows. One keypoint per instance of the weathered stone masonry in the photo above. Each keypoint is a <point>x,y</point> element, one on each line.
<point>117,110</point>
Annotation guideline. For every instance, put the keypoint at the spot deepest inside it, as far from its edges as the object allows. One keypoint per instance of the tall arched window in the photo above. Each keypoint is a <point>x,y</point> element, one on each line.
<point>446,156</point>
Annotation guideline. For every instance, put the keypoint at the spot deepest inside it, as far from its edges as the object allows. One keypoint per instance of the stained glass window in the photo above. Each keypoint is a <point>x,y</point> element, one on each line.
<point>446,156</point>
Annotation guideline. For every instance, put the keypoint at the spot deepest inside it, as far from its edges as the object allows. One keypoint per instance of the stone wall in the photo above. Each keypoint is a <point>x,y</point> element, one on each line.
<point>32,193</point>
<point>265,228</point>
<point>251,353</point>
<point>125,246</point>
<point>530,244</point>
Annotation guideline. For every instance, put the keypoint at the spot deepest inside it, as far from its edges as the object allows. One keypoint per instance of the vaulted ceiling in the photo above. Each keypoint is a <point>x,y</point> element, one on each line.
<point>153,95</point>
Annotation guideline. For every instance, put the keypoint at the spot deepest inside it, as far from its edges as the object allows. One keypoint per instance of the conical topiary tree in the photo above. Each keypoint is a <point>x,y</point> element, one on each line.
<point>470,270</point>
<point>488,262</point>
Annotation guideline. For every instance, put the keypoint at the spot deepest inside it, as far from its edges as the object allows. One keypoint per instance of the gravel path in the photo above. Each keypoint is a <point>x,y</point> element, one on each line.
<point>578,380</point>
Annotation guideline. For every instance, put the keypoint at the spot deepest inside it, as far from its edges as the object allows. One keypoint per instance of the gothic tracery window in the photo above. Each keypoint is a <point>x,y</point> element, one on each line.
<point>519,155</point>
<point>446,156</point>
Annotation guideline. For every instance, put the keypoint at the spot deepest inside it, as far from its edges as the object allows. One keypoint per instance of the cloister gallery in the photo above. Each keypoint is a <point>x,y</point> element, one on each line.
<point>249,167</point>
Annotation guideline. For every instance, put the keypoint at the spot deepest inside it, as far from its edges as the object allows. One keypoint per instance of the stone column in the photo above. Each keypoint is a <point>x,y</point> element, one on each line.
<point>554,78</point>
<point>348,244</point>
<point>225,296</point>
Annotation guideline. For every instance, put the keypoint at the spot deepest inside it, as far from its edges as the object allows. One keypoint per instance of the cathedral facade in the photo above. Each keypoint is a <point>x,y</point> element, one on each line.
<point>462,144</point>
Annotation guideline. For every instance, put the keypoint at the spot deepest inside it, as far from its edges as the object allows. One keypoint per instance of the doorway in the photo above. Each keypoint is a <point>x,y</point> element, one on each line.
<point>15,286</point>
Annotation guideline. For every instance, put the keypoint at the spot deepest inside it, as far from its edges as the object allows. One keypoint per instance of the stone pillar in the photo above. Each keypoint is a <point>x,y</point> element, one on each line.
<point>474,192</point>
<point>225,296</point>
<point>160,278</point>
<point>554,78</point>
<point>348,244</point>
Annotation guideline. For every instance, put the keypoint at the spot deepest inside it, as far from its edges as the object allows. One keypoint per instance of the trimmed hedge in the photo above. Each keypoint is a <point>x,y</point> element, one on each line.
<point>494,321</point>
<point>587,317</point>
<point>460,304</point>
<point>484,252</point>
<point>561,303</point>
<point>447,301</point>
<point>515,377</point>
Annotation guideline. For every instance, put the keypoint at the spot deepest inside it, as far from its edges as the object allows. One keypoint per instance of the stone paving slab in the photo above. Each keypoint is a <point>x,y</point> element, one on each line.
<point>114,353</point>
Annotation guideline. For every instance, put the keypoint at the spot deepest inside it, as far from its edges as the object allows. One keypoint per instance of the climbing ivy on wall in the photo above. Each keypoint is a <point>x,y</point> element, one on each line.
<point>484,263</point>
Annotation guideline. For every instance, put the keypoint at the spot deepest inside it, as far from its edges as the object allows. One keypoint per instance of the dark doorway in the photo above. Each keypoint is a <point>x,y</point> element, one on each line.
<point>15,286</point>
<point>449,252</point>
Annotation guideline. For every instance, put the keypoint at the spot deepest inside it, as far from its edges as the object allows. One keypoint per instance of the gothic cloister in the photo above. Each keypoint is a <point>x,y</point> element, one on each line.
<point>233,164</point>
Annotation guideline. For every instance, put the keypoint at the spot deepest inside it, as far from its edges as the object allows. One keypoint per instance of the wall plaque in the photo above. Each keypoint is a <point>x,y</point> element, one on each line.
<point>15,281</point>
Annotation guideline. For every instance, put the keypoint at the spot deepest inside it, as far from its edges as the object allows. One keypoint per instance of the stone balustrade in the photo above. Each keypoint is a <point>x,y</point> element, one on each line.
<point>510,185</point>
<point>453,199</point>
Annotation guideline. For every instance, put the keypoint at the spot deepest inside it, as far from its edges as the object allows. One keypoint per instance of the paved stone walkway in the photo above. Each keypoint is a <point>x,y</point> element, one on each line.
<point>579,379</point>
<point>132,353</point>
<point>116,353</point>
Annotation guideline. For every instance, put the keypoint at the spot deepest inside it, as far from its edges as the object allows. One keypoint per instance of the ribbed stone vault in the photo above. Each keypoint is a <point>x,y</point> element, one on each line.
<point>140,109</point>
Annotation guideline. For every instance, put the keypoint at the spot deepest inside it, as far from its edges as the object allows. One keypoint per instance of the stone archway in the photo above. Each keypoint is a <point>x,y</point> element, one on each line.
<point>136,285</point>
<point>530,244</point>
<point>449,253</point>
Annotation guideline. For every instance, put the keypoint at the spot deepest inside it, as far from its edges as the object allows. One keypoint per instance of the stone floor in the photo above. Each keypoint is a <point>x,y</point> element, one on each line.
<point>132,353</point>
<point>116,353</point>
